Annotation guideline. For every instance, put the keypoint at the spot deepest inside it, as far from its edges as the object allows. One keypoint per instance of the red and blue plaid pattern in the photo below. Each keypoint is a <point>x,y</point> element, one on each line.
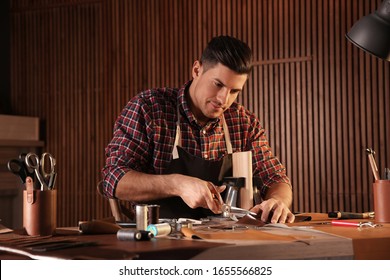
<point>144,135</point>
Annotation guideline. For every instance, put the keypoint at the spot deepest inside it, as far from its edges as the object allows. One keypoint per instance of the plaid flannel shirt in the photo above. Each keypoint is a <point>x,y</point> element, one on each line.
<point>144,136</point>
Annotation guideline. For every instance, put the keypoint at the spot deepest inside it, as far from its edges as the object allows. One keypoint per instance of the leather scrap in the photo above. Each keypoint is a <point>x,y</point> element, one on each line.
<point>250,234</point>
<point>98,227</point>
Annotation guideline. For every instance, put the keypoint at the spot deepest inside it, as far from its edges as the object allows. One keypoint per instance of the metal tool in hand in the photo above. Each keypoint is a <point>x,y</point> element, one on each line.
<point>19,168</point>
<point>227,210</point>
<point>45,172</point>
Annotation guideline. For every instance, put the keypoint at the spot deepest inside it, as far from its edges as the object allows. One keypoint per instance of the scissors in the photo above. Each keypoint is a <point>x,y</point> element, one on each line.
<point>19,168</point>
<point>48,164</point>
<point>44,172</point>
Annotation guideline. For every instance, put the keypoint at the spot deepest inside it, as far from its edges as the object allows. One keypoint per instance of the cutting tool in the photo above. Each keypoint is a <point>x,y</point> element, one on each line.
<point>229,211</point>
<point>44,169</point>
<point>19,168</point>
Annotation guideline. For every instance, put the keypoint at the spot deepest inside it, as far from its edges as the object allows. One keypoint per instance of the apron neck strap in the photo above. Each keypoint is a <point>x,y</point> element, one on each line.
<point>175,153</point>
<point>228,142</point>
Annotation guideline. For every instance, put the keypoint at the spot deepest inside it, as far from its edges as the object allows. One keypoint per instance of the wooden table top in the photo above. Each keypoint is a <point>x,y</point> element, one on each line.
<point>326,241</point>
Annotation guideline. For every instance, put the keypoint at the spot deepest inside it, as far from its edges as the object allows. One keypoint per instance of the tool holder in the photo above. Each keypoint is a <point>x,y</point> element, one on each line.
<point>381,191</point>
<point>40,212</point>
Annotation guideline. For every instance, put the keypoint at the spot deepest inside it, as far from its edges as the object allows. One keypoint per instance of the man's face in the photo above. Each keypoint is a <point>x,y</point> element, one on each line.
<point>213,91</point>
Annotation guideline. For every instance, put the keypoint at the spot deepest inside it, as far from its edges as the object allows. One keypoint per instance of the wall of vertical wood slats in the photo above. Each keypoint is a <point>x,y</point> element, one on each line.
<point>76,63</point>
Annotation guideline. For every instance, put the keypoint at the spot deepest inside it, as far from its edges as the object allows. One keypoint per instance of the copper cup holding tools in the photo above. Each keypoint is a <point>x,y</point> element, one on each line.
<point>381,201</point>
<point>40,212</point>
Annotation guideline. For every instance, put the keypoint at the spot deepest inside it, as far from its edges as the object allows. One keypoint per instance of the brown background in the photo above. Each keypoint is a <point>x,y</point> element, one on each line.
<point>75,64</point>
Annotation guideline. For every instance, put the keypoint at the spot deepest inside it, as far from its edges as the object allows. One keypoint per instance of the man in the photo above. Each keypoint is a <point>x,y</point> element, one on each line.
<point>173,146</point>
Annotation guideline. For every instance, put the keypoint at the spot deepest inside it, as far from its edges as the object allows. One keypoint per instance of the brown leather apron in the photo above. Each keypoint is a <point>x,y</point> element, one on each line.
<point>187,164</point>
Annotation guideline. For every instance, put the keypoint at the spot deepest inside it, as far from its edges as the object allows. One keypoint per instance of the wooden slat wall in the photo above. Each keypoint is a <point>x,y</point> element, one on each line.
<point>76,63</point>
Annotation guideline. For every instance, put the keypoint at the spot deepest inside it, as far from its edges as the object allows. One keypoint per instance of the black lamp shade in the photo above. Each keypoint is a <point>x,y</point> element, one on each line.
<point>372,32</point>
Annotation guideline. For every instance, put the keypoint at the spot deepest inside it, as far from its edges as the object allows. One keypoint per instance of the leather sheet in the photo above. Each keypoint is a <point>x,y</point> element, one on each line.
<point>249,234</point>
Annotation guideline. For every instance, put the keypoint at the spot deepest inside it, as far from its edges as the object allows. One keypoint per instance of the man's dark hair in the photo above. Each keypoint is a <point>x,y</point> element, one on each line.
<point>229,51</point>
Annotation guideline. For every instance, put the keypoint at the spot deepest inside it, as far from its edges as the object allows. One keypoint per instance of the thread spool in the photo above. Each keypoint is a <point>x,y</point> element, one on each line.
<point>133,234</point>
<point>153,214</point>
<point>141,212</point>
<point>160,229</point>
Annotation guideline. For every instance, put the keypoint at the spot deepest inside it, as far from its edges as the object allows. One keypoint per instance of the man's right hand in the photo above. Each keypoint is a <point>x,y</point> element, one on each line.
<point>137,186</point>
<point>199,193</point>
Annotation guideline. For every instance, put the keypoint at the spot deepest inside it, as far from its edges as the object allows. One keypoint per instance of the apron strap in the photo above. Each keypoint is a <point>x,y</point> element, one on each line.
<point>228,142</point>
<point>175,153</point>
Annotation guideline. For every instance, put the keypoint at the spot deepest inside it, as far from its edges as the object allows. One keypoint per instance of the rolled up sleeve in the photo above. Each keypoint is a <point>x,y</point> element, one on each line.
<point>128,149</point>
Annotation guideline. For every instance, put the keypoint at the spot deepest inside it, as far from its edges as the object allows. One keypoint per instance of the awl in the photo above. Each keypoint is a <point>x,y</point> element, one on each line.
<point>350,215</point>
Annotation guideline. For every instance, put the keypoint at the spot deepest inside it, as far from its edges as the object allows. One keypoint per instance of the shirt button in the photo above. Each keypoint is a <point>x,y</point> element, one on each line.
<point>204,131</point>
<point>206,156</point>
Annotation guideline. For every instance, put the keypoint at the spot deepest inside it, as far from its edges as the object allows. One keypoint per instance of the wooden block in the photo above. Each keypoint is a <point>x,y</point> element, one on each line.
<point>242,167</point>
<point>19,128</point>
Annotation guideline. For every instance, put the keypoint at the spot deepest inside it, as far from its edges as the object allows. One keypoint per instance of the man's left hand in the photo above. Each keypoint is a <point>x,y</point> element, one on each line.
<point>279,211</point>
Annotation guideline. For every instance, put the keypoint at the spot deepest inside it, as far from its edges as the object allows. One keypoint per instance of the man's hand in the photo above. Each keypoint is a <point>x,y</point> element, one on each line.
<point>279,211</point>
<point>138,186</point>
<point>277,202</point>
<point>198,193</point>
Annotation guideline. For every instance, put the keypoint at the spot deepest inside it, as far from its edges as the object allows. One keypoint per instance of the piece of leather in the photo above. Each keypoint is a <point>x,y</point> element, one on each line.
<point>250,234</point>
<point>98,227</point>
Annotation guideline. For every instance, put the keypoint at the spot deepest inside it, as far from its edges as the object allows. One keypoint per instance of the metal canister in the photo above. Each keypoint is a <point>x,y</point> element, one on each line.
<point>141,213</point>
<point>153,214</point>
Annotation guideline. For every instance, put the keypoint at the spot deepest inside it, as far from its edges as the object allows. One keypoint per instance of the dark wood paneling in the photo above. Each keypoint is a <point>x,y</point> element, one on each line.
<point>76,63</point>
<point>5,90</point>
